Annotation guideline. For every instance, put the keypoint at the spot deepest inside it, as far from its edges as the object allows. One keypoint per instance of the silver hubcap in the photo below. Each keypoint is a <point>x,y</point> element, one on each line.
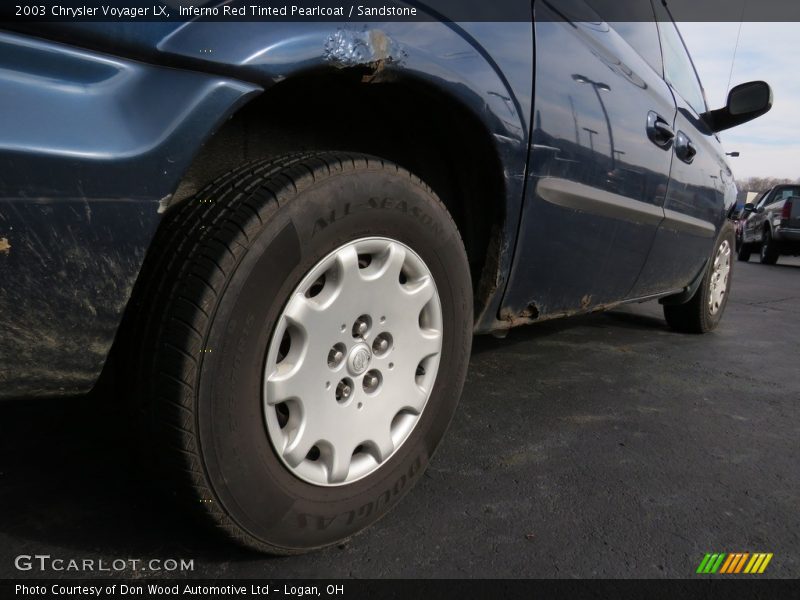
<point>352,361</point>
<point>719,277</point>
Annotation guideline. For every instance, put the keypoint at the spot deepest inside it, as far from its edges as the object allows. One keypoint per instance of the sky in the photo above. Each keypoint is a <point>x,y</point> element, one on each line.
<point>769,145</point>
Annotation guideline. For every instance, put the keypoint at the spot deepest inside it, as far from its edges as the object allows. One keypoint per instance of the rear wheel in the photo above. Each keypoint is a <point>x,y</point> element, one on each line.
<point>744,251</point>
<point>312,339</point>
<point>769,249</point>
<point>703,312</point>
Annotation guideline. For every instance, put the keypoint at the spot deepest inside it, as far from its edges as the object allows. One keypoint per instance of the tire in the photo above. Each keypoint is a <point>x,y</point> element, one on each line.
<point>700,314</point>
<point>743,253</point>
<point>225,273</point>
<point>769,249</point>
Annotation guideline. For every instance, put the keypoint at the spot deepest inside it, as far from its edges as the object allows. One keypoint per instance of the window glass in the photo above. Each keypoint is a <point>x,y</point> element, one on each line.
<point>678,68</point>
<point>784,193</point>
<point>643,37</point>
<point>635,23</point>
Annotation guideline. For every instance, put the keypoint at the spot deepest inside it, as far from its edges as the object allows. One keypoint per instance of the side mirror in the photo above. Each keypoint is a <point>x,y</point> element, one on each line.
<point>749,207</point>
<point>746,102</point>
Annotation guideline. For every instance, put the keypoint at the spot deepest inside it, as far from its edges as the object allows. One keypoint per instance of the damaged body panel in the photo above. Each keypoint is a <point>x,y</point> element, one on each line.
<point>147,124</point>
<point>483,67</point>
<point>580,204</point>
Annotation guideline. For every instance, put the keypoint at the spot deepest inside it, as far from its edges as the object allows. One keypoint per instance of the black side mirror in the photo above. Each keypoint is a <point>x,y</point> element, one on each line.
<point>749,207</point>
<point>746,102</point>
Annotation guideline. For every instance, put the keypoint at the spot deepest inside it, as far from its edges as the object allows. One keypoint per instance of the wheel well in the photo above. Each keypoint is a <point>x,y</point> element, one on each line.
<point>407,122</point>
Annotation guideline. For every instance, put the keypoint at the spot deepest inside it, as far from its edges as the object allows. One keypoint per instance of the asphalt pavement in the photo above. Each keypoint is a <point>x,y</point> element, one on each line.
<point>598,446</point>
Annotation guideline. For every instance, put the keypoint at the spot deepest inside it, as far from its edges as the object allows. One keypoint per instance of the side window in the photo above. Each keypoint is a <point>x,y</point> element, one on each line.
<point>678,68</point>
<point>783,194</point>
<point>635,23</point>
<point>643,37</point>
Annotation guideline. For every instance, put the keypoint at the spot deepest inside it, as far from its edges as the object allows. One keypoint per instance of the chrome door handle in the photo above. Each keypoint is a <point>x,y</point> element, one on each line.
<point>684,148</point>
<point>659,131</point>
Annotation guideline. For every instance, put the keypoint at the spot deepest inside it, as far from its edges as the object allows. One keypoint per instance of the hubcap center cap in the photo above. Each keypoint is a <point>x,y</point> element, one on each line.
<point>359,358</point>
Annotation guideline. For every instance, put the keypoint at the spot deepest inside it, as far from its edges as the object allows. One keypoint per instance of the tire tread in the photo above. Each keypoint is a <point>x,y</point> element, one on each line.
<point>193,257</point>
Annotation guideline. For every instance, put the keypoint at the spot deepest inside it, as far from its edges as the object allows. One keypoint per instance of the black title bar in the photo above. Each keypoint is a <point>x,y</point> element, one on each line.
<point>371,589</point>
<point>19,11</point>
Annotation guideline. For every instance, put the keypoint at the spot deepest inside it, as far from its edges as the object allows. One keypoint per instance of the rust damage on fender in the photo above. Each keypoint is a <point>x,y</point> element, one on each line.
<point>371,48</point>
<point>534,312</point>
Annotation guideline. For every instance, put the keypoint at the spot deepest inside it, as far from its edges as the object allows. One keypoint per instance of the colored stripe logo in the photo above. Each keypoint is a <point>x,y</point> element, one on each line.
<point>736,562</point>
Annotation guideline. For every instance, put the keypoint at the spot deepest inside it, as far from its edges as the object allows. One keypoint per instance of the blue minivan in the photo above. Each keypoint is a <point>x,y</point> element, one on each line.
<point>285,234</point>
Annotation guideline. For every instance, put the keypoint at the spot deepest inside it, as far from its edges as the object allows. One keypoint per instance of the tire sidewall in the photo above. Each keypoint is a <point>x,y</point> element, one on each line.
<point>710,321</point>
<point>248,479</point>
<point>768,254</point>
<point>743,253</point>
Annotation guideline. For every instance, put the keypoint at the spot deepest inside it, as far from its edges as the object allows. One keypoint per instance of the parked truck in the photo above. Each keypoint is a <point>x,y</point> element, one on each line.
<point>771,225</point>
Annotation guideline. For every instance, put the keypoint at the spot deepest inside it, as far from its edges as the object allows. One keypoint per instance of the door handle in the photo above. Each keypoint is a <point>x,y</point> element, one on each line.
<point>659,131</point>
<point>684,148</point>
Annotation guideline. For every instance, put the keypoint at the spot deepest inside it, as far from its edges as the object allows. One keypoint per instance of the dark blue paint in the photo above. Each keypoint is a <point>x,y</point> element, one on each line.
<point>589,132</point>
<point>77,124</point>
<point>91,146</point>
<point>94,135</point>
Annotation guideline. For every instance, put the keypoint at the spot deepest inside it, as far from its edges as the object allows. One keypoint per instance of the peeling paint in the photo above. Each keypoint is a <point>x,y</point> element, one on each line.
<point>365,47</point>
<point>5,246</point>
<point>531,312</point>
<point>164,204</point>
<point>534,312</point>
<point>512,318</point>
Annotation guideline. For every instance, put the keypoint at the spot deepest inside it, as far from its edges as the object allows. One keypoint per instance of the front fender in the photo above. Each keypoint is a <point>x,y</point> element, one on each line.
<point>486,67</point>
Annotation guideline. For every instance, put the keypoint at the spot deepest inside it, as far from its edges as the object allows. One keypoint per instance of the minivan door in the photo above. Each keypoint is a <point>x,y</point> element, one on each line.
<point>695,206</point>
<point>599,162</point>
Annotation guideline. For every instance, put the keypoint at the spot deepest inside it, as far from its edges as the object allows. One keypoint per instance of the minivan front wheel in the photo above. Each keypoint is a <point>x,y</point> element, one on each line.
<point>312,344</point>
